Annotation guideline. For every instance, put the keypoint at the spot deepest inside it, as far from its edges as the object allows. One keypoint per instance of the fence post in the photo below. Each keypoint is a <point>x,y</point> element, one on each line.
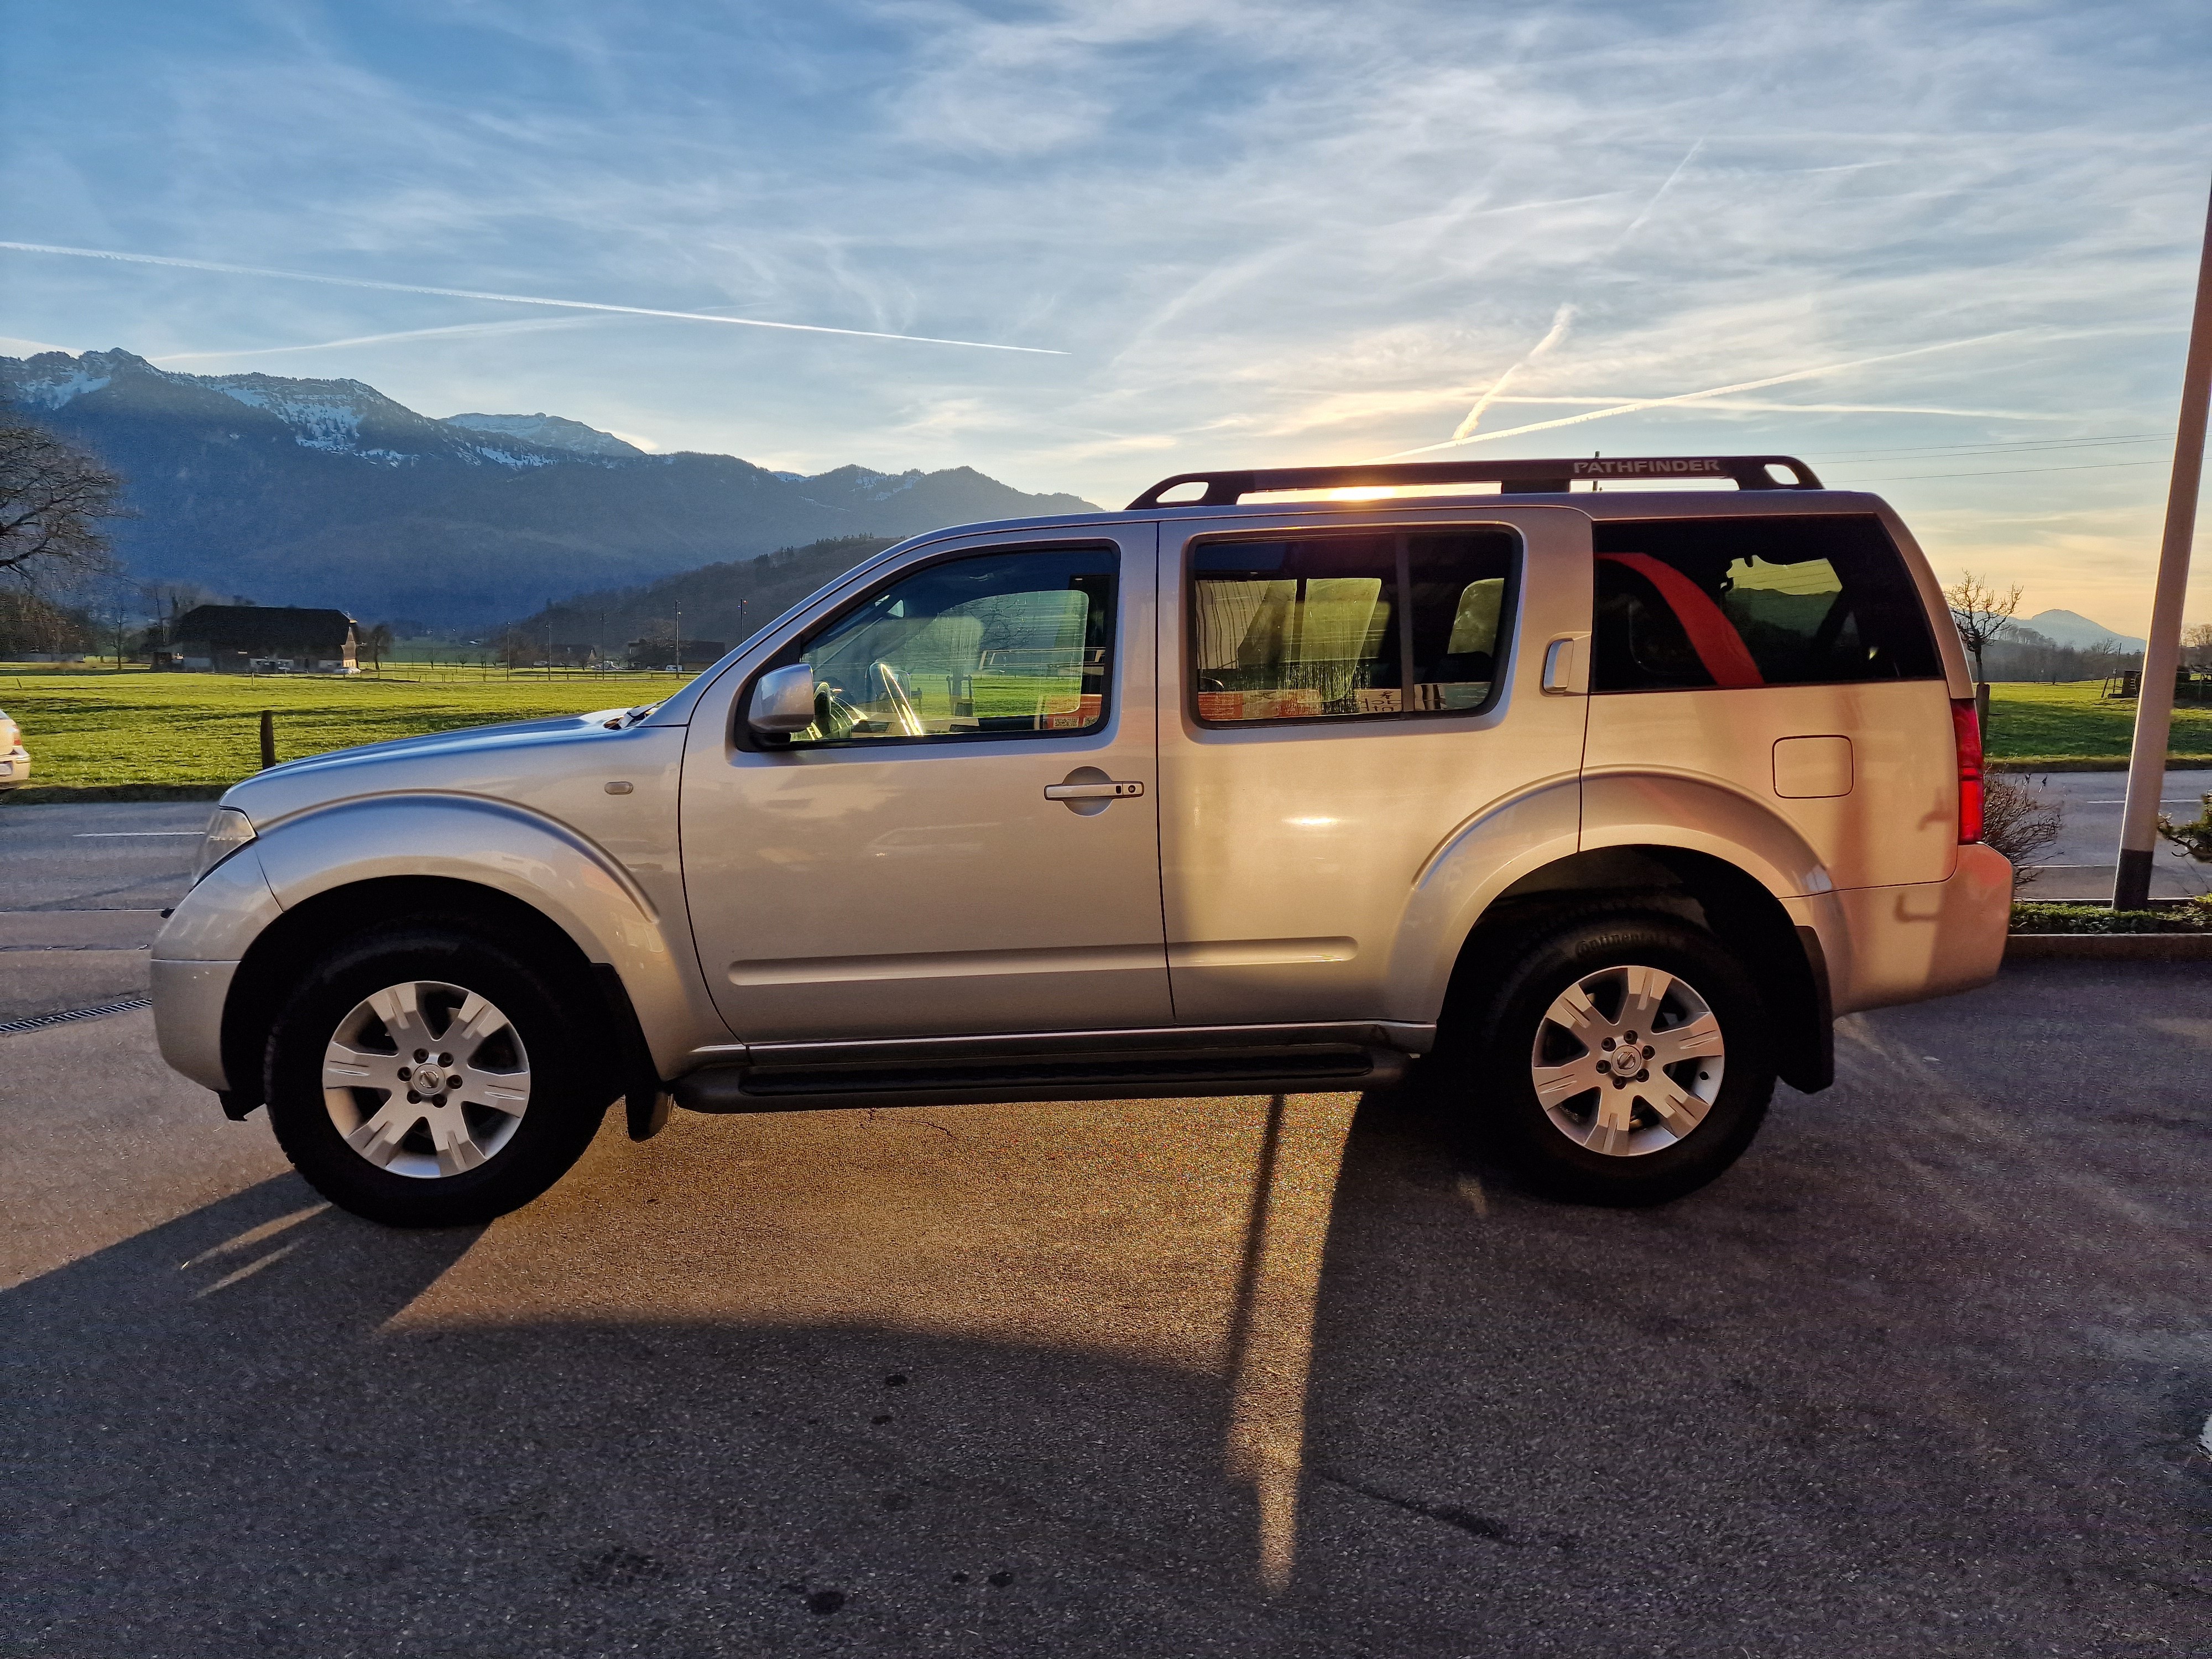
<point>268,738</point>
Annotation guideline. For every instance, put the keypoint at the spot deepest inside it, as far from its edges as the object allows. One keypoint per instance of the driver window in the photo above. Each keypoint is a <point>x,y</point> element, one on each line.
<point>995,644</point>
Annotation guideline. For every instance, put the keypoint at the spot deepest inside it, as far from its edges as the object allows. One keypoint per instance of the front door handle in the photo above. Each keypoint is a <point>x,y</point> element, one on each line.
<point>1107,789</point>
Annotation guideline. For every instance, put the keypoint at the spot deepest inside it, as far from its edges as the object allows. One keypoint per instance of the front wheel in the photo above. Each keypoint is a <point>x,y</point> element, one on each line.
<point>423,1076</point>
<point>1620,1060</point>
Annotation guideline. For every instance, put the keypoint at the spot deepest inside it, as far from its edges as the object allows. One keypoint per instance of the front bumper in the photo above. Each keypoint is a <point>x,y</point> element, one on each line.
<point>188,1003</point>
<point>196,956</point>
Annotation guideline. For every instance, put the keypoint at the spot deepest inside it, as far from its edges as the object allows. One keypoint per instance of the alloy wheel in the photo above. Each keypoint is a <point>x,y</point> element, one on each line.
<point>426,1079</point>
<point>1627,1060</point>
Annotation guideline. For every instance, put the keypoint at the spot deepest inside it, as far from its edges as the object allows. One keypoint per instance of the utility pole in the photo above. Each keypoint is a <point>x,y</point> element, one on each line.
<point>2162,651</point>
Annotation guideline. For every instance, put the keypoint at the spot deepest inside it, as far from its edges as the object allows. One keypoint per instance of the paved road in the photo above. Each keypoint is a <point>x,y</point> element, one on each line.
<point>1926,1375</point>
<point>2082,864</point>
<point>82,890</point>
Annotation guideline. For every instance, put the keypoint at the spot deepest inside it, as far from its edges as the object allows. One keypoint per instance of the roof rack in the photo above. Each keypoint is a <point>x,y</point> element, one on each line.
<point>1518,477</point>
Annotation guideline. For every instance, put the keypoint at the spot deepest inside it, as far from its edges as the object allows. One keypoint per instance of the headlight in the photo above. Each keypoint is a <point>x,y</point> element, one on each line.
<point>227,831</point>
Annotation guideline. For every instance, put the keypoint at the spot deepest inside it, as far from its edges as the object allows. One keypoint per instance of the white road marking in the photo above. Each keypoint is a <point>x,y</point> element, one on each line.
<point>124,835</point>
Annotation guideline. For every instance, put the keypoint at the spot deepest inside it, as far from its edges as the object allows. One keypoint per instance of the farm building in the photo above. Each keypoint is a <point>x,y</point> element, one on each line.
<point>261,639</point>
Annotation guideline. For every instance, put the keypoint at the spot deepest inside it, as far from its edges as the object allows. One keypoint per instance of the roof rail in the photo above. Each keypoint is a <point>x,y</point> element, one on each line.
<point>1518,477</point>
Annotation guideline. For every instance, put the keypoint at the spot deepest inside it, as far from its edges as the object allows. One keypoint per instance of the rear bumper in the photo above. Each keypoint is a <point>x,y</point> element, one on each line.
<point>188,999</point>
<point>15,769</point>
<point>1892,944</point>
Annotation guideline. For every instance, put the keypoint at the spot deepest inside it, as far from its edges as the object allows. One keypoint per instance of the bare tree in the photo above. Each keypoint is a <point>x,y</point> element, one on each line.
<point>52,498</point>
<point>2196,646</point>
<point>1983,614</point>
<point>2019,823</point>
<point>374,642</point>
<point>31,622</point>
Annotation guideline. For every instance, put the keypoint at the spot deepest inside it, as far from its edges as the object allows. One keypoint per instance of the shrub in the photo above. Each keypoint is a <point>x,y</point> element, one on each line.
<point>2195,917</point>
<point>2019,822</point>
<point>2194,837</point>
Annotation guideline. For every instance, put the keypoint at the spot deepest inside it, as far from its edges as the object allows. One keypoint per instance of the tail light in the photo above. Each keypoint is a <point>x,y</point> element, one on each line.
<point>1966,733</point>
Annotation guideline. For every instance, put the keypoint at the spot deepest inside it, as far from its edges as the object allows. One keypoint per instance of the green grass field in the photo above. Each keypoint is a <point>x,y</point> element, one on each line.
<point>2070,721</point>
<point>107,727</point>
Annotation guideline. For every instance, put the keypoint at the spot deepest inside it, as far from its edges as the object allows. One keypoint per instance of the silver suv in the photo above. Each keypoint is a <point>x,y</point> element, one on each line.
<point>1593,807</point>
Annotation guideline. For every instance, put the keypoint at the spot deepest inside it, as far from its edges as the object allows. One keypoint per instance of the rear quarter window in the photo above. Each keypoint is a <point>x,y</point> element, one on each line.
<point>1794,599</point>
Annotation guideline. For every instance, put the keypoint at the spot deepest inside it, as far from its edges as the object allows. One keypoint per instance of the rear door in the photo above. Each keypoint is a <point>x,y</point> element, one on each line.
<point>1342,696</point>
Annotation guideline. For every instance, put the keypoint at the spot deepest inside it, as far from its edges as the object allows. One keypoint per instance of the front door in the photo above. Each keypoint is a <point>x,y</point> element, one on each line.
<point>966,840</point>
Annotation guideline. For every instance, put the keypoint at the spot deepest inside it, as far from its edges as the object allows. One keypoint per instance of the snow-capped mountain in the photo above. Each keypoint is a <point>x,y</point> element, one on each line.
<point>340,417</point>
<point>328,492</point>
<point>548,431</point>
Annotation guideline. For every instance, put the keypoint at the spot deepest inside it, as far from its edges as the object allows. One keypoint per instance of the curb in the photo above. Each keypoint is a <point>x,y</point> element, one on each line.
<point>2108,947</point>
<point>58,794</point>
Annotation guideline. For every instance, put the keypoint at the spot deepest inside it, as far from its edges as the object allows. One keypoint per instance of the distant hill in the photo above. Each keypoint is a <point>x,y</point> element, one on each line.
<point>328,493</point>
<point>727,602</point>
<point>2071,628</point>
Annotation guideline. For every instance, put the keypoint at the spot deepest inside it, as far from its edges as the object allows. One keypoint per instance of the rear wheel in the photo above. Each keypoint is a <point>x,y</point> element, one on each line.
<point>424,1077</point>
<point>1619,1059</point>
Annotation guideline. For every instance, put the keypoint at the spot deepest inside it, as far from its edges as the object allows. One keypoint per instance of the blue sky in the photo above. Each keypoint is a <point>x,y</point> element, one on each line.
<point>1256,232</point>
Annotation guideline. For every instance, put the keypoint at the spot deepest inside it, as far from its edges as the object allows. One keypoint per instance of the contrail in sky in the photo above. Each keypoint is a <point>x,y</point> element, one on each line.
<point>531,325</point>
<point>1697,397</point>
<point>1565,315</point>
<point>507,299</point>
<point>1651,206</point>
<point>1560,319</point>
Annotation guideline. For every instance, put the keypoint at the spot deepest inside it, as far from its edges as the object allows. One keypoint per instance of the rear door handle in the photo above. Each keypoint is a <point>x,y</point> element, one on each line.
<point>1109,790</point>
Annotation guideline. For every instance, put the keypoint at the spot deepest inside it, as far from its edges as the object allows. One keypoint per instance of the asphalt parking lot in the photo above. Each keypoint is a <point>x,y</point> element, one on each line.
<point>1926,1375</point>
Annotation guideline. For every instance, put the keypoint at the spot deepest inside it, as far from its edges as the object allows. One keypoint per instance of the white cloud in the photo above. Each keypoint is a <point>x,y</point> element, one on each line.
<point>1266,232</point>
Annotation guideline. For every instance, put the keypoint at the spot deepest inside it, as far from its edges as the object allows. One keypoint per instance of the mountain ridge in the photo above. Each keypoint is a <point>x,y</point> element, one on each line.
<point>327,492</point>
<point>2071,628</point>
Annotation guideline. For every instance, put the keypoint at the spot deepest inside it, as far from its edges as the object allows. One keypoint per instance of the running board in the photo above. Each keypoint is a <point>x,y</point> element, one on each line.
<point>980,1080</point>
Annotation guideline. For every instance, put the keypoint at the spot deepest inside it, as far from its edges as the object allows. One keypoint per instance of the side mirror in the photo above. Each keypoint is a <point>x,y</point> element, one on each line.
<point>782,702</point>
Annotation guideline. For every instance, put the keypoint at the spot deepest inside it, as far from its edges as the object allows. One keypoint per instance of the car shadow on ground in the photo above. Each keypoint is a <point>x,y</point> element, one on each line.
<point>1921,1376</point>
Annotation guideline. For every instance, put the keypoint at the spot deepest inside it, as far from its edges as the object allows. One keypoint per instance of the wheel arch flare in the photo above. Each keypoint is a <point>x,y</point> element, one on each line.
<point>349,864</point>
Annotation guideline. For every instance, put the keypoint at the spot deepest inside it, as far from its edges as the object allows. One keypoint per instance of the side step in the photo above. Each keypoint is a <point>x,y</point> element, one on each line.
<point>978,1080</point>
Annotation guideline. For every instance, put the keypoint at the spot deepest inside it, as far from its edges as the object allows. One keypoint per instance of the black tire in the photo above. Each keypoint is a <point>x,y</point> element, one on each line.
<point>1492,1041</point>
<point>569,1085</point>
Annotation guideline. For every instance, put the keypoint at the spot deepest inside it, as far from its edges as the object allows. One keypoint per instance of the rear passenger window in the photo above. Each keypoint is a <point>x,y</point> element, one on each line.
<point>1336,626</point>
<point>1686,604</point>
